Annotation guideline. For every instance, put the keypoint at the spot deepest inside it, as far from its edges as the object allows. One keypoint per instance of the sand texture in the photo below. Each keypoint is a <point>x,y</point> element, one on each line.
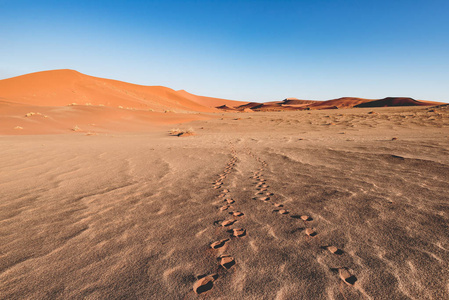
<point>336,204</point>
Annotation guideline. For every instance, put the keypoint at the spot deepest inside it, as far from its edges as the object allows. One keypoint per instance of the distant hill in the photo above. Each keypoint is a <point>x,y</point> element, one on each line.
<point>394,101</point>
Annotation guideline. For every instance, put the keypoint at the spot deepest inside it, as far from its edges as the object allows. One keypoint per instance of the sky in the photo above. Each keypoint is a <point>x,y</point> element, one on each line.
<point>244,50</point>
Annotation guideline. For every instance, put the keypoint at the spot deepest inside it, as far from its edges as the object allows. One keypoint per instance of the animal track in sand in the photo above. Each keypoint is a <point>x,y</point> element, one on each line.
<point>225,207</point>
<point>219,244</point>
<point>230,201</point>
<point>204,284</point>
<point>278,205</point>
<point>226,261</point>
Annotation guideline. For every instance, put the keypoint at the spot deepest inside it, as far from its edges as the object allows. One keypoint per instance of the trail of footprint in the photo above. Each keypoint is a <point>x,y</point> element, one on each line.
<point>310,232</point>
<point>205,283</point>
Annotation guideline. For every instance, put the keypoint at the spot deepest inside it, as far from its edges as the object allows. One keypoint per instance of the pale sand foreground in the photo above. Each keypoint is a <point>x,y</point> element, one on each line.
<point>133,215</point>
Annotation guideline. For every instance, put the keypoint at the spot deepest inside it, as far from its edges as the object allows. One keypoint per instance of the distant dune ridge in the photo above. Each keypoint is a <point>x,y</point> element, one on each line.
<point>344,102</point>
<point>60,100</point>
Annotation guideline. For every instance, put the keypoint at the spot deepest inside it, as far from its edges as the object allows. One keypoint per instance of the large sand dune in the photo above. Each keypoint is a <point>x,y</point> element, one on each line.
<point>59,101</point>
<point>336,204</point>
<point>63,87</point>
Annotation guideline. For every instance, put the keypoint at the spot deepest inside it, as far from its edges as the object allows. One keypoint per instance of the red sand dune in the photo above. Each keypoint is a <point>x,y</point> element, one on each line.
<point>247,106</point>
<point>294,102</point>
<point>274,107</point>
<point>61,100</point>
<point>344,102</point>
<point>63,87</point>
<point>394,101</point>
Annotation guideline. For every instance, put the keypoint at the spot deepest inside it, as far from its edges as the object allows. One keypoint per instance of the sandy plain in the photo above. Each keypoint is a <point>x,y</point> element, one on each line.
<point>134,215</point>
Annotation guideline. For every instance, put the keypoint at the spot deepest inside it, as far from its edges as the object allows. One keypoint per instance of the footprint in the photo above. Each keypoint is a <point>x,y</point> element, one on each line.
<point>302,217</point>
<point>227,223</point>
<point>306,218</point>
<point>238,232</point>
<point>204,284</point>
<point>237,213</point>
<point>333,250</point>
<point>278,205</point>
<point>225,191</point>
<point>346,276</point>
<point>225,207</point>
<point>264,198</point>
<point>219,244</point>
<point>226,261</point>
<point>230,201</point>
<point>310,232</point>
<point>281,211</point>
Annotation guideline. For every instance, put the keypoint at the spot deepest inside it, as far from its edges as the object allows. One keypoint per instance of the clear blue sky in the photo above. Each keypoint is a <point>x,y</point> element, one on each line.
<point>246,50</point>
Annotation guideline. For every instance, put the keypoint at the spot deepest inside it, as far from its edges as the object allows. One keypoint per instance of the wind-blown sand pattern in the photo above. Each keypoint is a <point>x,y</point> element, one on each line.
<point>338,204</point>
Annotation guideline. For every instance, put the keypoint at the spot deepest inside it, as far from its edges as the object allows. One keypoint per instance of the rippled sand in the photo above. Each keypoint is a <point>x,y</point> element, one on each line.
<point>341,204</point>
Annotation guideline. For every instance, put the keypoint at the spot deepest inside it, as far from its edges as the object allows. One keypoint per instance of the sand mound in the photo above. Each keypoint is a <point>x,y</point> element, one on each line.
<point>393,101</point>
<point>344,102</point>
<point>294,101</point>
<point>65,87</point>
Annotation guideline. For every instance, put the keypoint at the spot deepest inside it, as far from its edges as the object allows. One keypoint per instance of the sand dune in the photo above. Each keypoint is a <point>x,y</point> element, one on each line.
<point>60,100</point>
<point>289,104</point>
<point>394,101</point>
<point>63,87</point>
<point>344,102</point>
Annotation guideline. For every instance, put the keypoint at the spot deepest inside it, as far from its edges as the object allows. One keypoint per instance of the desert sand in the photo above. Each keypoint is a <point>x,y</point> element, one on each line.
<point>320,204</point>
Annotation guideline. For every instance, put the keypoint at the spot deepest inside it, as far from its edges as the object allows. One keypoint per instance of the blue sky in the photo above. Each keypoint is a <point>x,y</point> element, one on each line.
<point>245,50</point>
